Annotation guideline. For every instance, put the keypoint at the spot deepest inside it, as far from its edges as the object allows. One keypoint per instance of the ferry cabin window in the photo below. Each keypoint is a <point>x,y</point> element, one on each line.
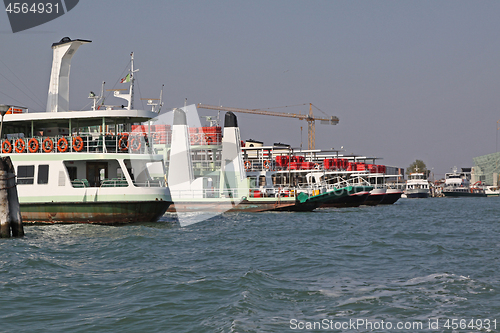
<point>25,174</point>
<point>43,174</point>
<point>253,182</point>
<point>119,173</point>
<point>72,172</point>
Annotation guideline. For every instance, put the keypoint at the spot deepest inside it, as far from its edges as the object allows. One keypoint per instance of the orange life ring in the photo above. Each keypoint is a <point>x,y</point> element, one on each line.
<point>135,144</point>
<point>6,147</point>
<point>47,145</point>
<point>20,145</point>
<point>33,145</point>
<point>267,164</point>
<point>248,165</point>
<point>77,143</point>
<point>316,166</point>
<point>123,142</point>
<point>62,145</point>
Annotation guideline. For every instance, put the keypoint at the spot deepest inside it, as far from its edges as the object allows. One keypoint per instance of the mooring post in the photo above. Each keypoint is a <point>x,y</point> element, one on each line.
<point>16,222</point>
<point>4,202</point>
<point>10,213</point>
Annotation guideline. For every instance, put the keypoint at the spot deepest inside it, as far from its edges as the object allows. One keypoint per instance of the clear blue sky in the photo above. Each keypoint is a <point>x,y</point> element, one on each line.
<point>408,79</point>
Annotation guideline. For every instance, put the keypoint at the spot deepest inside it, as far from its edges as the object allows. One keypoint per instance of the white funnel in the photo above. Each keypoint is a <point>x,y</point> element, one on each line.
<point>180,170</point>
<point>232,171</point>
<point>58,99</point>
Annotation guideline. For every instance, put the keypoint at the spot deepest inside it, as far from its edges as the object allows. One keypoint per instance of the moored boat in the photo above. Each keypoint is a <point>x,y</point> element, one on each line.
<point>417,186</point>
<point>492,191</point>
<point>457,184</point>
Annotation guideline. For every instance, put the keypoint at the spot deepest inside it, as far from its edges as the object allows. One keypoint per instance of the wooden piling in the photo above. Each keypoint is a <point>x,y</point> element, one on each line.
<point>16,222</point>
<point>4,203</point>
<point>10,213</point>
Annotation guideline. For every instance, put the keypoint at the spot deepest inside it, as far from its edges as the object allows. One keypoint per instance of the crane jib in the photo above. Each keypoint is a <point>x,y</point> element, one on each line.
<point>310,118</point>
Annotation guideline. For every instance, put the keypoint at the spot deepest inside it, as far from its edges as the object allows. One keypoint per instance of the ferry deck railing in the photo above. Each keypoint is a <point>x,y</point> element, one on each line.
<point>232,193</point>
<point>117,182</point>
<point>135,143</point>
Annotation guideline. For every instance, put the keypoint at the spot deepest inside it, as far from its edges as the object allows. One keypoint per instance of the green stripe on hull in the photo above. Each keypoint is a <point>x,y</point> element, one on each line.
<point>94,212</point>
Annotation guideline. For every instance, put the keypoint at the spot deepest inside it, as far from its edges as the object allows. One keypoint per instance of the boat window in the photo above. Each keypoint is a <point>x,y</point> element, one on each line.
<point>262,180</point>
<point>274,179</point>
<point>43,174</point>
<point>146,173</point>
<point>96,173</point>
<point>72,172</point>
<point>25,174</point>
<point>119,173</point>
<point>252,182</point>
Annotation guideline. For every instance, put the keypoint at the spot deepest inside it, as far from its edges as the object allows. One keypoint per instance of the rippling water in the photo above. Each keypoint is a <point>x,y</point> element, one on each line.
<point>408,263</point>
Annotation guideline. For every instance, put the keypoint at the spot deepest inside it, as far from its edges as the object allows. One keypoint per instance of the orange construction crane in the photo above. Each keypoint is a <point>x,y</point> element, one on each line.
<point>310,118</point>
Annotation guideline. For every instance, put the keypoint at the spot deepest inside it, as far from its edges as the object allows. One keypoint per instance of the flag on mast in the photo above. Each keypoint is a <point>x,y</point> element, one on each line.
<point>126,79</point>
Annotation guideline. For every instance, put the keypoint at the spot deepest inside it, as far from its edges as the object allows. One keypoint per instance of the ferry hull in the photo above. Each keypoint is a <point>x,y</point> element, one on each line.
<point>376,196</point>
<point>353,200</point>
<point>463,194</point>
<point>353,196</point>
<point>112,213</point>
<point>295,207</point>
<point>390,198</point>
<point>413,195</point>
<point>252,205</point>
<point>301,203</point>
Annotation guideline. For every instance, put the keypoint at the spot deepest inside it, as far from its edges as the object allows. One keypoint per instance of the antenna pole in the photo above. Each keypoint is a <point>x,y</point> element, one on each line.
<point>161,98</point>
<point>131,105</point>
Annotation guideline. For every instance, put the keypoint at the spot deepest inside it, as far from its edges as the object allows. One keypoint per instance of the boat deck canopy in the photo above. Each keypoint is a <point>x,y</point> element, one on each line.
<point>82,118</point>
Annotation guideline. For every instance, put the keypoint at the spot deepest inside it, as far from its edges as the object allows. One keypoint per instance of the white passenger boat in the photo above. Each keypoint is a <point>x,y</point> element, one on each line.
<point>83,166</point>
<point>492,191</point>
<point>457,184</point>
<point>417,186</point>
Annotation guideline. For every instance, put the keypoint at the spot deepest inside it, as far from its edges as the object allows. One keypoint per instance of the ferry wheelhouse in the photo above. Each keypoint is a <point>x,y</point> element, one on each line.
<point>83,166</point>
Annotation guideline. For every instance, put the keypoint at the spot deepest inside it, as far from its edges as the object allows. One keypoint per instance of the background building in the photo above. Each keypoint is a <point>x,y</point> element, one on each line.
<point>486,169</point>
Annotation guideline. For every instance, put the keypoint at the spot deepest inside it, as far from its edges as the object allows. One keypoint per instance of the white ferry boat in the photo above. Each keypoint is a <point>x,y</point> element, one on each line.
<point>83,166</point>
<point>417,186</point>
<point>457,184</point>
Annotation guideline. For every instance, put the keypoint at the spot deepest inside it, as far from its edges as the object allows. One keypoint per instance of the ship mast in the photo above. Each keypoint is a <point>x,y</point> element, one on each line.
<point>129,78</point>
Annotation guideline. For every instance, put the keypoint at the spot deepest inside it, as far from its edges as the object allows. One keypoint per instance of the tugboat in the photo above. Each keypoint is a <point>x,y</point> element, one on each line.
<point>83,166</point>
